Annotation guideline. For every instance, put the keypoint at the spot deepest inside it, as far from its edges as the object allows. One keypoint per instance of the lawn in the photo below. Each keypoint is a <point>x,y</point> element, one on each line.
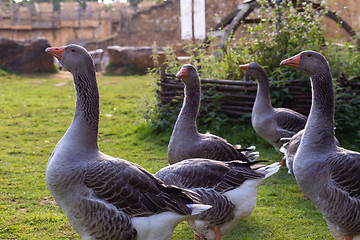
<point>37,110</point>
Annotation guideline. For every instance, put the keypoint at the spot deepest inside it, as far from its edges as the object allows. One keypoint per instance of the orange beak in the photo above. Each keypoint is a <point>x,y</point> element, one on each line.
<point>182,73</point>
<point>292,62</point>
<point>56,51</point>
<point>244,66</point>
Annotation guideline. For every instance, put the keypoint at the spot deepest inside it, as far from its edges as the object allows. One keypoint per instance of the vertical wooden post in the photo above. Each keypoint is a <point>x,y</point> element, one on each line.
<point>162,71</point>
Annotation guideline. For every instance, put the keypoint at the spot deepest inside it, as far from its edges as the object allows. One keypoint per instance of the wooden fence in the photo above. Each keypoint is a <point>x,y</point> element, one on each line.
<point>237,97</point>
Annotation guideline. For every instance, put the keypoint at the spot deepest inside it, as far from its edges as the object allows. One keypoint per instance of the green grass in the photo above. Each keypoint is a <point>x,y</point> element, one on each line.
<point>36,111</point>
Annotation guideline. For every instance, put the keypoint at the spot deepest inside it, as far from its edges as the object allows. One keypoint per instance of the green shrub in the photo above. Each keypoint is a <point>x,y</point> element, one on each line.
<point>4,71</point>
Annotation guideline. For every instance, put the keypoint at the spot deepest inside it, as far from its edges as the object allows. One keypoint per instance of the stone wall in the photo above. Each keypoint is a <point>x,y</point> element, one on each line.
<point>58,36</point>
<point>26,56</point>
<point>158,24</point>
<point>161,23</point>
<point>135,27</point>
<point>28,22</point>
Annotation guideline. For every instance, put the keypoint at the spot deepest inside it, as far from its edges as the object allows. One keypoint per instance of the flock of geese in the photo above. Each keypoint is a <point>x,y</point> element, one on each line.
<point>209,183</point>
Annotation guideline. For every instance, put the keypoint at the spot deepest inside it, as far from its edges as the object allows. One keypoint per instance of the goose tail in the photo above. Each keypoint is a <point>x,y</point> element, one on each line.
<point>248,152</point>
<point>269,170</point>
<point>284,146</point>
<point>198,208</point>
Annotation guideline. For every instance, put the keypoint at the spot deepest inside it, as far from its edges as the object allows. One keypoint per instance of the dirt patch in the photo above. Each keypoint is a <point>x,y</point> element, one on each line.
<point>47,201</point>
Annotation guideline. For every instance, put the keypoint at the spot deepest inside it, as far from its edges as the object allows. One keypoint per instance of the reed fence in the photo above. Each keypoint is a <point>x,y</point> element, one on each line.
<point>237,97</point>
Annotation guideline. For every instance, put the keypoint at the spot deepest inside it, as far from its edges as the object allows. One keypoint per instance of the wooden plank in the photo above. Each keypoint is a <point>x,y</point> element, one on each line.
<point>176,86</point>
<point>169,92</point>
<point>233,95</point>
<point>228,82</point>
<point>230,88</point>
<point>234,114</point>
<point>237,108</point>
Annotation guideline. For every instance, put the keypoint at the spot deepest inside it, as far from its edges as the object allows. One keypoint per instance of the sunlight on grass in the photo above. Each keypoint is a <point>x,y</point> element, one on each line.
<point>37,110</point>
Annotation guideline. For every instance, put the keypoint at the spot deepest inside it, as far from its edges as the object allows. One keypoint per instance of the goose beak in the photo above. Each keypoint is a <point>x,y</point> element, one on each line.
<point>56,51</point>
<point>182,73</point>
<point>292,62</point>
<point>244,66</point>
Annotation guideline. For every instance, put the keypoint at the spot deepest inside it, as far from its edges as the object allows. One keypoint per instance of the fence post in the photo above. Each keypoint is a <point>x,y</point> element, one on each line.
<point>162,71</point>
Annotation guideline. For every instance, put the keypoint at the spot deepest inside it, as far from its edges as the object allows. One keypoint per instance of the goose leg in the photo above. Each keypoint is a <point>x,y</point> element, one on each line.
<point>217,233</point>
<point>349,237</point>
<point>196,237</point>
<point>283,160</point>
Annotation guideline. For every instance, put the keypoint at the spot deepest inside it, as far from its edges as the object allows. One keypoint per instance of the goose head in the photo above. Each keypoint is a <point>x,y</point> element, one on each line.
<point>73,57</point>
<point>255,70</point>
<point>308,62</point>
<point>188,75</point>
<point>80,64</point>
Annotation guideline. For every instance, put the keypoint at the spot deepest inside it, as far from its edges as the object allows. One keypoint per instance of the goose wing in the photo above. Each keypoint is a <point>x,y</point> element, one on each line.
<point>132,189</point>
<point>205,173</point>
<point>222,208</point>
<point>344,169</point>
<point>340,200</point>
<point>214,147</point>
<point>289,121</point>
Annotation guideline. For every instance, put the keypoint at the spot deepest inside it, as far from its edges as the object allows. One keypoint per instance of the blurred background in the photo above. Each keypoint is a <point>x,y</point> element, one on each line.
<point>97,24</point>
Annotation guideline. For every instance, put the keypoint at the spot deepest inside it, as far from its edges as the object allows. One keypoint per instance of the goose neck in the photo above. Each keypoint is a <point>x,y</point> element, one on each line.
<point>320,125</point>
<point>262,100</point>
<point>188,113</point>
<point>323,98</point>
<point>86,118</point>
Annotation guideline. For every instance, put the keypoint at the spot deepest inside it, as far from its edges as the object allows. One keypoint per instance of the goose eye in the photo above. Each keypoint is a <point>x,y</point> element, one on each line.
<point>73,50</point>
<point>308,55</point>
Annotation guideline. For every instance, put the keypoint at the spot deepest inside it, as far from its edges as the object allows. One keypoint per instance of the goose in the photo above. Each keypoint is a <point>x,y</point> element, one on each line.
<point>271,123</point>
<point>290,147</point>
<point>105,197</point>
<point>326,173</point>
<point>186,142</point>
<point>229,187</point>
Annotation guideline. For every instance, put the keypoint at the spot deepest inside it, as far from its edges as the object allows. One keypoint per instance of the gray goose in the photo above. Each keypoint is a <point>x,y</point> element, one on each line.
<point>290,147</point>
<point>327,174</point>
<point>229,187</point>
<point>270,123</point>
<point>105,197</point>
<point>186,142</point>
